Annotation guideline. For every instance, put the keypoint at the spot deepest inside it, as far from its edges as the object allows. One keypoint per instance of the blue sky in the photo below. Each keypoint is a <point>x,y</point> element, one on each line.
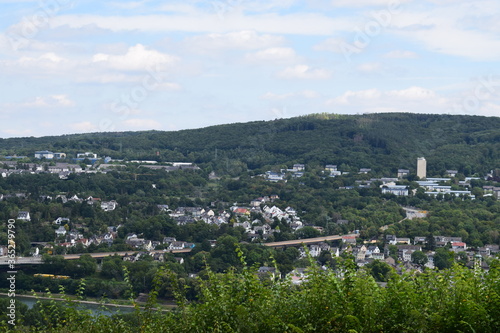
<point>92,66</point>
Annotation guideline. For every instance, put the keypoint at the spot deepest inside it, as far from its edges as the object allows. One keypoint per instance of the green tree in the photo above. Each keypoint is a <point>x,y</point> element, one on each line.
<point>443,258</point>
<point>419,258</point>
<point>462,258</point>
<point>430,242</point>
<point>224,253</point>
<point>82,267</point>
<point>380,270</point>
<point>307,232</point>
<point>325,259</point>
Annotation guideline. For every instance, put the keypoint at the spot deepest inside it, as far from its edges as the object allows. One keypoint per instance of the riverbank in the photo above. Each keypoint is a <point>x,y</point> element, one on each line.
<point>96,302</point>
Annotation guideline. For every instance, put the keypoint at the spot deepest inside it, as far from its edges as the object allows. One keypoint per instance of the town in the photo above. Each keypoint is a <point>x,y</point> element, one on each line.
<point>258,219</point>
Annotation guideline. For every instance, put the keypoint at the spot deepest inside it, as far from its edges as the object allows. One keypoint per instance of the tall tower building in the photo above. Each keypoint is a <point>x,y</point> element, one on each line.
<point>421,168</point>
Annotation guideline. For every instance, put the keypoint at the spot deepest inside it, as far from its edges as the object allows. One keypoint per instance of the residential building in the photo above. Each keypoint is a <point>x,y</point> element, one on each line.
<point>61,231</point>
<point>399,190</point>
<point>419,240</point>
<point>298,167</point>
<point>330,167</point>
<point>44,154</point>
<point>59,156</point>
<point>403,173</point>
<point>86,155</point>
<point>109,205</point>
<point>25,216</point>
<point>458,246</point>
<point>360,253</point>
<point>62,220</point>
<point>274,176</point>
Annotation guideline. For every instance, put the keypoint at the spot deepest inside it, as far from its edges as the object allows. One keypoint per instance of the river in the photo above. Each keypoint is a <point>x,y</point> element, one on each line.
<point>97,309</point>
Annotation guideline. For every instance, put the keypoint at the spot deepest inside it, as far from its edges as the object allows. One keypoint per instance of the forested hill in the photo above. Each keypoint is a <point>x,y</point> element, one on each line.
<point>382,142</point>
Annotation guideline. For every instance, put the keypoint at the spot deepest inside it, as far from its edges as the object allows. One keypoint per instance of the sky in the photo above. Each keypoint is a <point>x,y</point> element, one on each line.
<point>69,66</point>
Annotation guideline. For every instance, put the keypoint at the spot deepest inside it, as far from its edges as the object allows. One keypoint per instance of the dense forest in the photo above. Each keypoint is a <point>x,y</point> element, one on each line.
<point>382,142</point>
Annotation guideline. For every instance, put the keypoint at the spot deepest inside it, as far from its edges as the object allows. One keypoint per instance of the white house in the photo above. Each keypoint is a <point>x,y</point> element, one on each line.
<point>24,216</point>
<point>61,231</point>
<point>109,205</point>
<point>406,254</point>
<point>372,251</point>
<point>62,220</point>
<point>177,245</point>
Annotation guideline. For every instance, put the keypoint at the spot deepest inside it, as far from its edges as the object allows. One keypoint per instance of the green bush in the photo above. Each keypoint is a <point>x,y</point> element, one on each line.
<point>343,300</point>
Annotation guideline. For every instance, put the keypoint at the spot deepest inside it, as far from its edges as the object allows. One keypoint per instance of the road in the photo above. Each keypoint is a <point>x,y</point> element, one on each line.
<point>122,253</point>
<point>307,241</point>
<point>21,261</point>
<point>38,260</point>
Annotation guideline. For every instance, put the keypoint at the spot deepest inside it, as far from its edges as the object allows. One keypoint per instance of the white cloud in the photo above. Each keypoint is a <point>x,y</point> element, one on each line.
<point>106,77</point>
<point>370,67</point>
<point>126,65</point>
<point>330,44</point>
<point>278,55</point>
<point>309,94</point>
<point>349,96</point>
<point>50,101</point>
<point>259,43</point>
<point>84,127</point>
<point>489,109</point>
<point>240,40</point>
<point>304,72</point>
<point>128,5</point>
<point>137,58</point>
<point>18,132</point>
<point>337,45</point>
<point>444,29</point>
<point>276,97</point>
<point>178,8</point>
<point>367,3</point>
<point>168,86</point>
<point>413,93</point>
<point>413,99</point>
<point>398,54</point>
<point>260,5</point>
<point>16,1</point>
<point>145,124</point>
<point>452,41</point>
<point>45,62</point>
<point>294,23</point>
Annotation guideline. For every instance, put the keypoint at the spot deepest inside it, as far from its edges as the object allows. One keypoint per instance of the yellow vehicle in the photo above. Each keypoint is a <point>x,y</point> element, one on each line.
<point>52,276</point>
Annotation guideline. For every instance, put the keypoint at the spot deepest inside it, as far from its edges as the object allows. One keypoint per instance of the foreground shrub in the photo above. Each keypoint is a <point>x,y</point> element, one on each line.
<point>345,300</point>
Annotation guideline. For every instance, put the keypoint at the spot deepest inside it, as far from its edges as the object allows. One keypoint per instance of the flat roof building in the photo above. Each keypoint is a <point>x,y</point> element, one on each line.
<point>421,168</point>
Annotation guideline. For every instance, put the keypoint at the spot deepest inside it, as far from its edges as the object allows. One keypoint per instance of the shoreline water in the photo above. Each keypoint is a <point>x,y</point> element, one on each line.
<point>37,297</point>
